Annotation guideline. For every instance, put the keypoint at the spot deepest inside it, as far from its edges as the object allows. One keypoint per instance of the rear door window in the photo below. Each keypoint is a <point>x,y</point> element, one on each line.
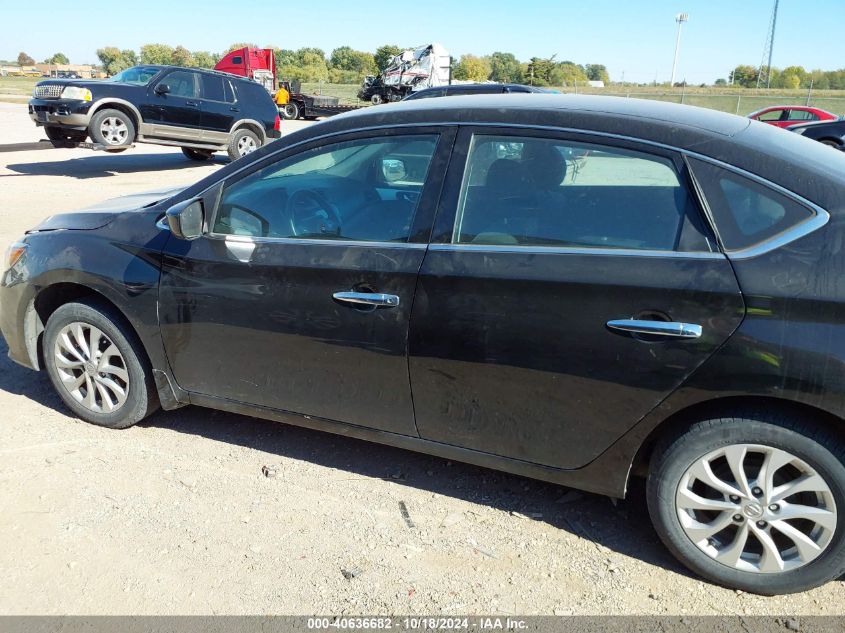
<point>212,88</point>
<point>746,212</point>
<point>527,191</point>
<point>801,115</point>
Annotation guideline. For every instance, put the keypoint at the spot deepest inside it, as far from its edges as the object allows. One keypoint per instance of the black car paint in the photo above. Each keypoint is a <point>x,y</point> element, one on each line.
<point>832,132</point>
<point>453,90</point>
<point>787,345</point>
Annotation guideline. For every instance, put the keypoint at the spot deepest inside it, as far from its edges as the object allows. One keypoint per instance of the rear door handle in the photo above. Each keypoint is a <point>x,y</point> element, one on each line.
<point>193,104</point>
<point>671,329</point>
<point>367,298</point>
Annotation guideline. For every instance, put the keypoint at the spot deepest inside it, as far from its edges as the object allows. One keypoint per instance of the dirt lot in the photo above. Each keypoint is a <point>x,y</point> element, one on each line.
<point>175,515</point>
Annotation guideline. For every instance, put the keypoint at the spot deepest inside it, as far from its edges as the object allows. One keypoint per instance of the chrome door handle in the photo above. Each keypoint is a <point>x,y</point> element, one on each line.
<point>368,298</point>
<point>671,329</point>
<point>193,104</point>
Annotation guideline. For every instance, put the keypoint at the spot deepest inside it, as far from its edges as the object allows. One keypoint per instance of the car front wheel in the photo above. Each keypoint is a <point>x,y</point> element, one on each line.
<point>753,502</point>
<point>112,128</point>
<point>97,366</point>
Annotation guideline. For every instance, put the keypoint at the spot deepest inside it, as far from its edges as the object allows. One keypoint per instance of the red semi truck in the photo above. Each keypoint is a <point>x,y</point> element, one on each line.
<point>259,64</point>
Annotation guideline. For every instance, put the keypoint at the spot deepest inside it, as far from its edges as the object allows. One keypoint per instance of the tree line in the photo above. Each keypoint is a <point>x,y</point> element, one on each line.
<point>791,77</point>
<point>349,66</point>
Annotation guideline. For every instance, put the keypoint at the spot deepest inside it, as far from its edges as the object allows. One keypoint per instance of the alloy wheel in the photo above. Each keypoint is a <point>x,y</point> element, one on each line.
<point>114,130</point>
<point>91,367</point>
<point>246,145</point>
<point>756,508</point>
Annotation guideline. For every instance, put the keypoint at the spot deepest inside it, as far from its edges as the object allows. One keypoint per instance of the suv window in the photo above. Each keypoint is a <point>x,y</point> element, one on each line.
<point>182,83</point>
<point>212,88</point>
<point>228,91</point>
<point>745,211</point>
<point>547,192</point>
<point>365,189</point>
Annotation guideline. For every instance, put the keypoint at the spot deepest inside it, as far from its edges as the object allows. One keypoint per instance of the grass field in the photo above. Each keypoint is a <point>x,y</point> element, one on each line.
<point>735,101</point>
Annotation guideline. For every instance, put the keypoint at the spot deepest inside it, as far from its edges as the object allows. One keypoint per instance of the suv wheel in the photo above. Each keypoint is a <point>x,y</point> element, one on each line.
<point>97,366</point>
<point>243,142</point>
<point>752,502</point>
<point>112,128</point>
<point>197,154</point>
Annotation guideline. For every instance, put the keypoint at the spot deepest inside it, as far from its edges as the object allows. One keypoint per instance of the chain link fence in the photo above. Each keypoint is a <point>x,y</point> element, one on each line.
<point>739,103</point>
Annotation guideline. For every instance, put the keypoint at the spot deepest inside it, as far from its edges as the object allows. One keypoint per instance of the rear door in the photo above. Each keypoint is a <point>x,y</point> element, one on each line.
<point>219,109</point>
<point>570,287</point>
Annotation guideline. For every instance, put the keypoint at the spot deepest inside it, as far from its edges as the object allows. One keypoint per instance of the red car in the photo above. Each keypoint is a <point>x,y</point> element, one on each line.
<point>784,116</point>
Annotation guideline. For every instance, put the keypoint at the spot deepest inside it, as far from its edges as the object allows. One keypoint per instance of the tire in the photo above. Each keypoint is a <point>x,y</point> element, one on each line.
<point>61,137</point>
<point>112,128</point>
<point>377,99</point>
<point>197,154</point>
<point>115,391</point>
<point>831,143</point>
<point>289,111</point>
<point>802,449</point>
<point>244,141</point>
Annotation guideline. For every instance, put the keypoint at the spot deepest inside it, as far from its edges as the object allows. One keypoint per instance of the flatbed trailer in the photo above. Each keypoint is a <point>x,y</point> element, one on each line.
<point>302,106</point>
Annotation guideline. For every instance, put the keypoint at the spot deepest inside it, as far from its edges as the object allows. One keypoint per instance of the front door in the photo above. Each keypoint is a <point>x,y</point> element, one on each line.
<point>176,114</point>
<point>299,296</point>
<point>571,287</point>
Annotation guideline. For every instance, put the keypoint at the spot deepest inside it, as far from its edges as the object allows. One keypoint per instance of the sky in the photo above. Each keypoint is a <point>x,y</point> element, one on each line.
<point>634,37</point>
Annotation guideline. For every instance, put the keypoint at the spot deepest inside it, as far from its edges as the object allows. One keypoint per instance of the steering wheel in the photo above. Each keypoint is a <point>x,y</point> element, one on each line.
<point>311,214</point>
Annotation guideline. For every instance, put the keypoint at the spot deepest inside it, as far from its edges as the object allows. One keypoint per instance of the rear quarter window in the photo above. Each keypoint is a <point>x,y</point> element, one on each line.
<point>746,212</point>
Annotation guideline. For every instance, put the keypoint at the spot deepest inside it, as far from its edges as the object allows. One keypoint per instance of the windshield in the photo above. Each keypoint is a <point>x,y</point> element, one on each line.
<point>139,75</point>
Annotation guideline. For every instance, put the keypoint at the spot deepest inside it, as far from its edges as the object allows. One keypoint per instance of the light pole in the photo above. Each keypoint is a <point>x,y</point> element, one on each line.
<point>680,19</point>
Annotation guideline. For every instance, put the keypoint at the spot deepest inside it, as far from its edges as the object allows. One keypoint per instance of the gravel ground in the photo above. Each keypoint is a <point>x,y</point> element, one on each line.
<point>179,515</point>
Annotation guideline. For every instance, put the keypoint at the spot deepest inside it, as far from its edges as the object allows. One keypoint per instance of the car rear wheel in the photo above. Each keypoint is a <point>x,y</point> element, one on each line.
<point>243,142</point>
<point>112,128</point>
<point>197,154</point>
<point>289,111</point>
<point>97,366</point>
<point>754,502</point>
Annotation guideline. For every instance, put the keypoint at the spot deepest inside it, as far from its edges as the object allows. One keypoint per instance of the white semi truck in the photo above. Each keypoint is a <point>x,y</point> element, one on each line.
<point>409,71</point>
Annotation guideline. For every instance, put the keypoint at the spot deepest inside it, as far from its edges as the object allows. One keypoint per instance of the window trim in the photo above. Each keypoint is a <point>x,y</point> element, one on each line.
<point>444,145</point>
<point>447,128</point>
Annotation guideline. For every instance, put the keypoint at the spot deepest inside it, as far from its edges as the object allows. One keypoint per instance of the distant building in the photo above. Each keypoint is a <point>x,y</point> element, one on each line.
<point>86,71</point>
<point>596,84</point>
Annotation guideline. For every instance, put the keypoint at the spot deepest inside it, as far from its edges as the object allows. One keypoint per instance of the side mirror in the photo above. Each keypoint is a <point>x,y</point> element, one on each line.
<point>162,89</point>
<point>393,169</point>
<point>186,219</point>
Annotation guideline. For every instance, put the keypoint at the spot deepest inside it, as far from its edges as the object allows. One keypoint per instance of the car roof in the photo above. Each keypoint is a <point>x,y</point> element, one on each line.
<point>207,71</point>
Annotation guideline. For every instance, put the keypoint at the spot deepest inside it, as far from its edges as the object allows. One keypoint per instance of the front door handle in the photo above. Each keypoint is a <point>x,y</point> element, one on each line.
<point>193,104</point>
<point>670,329</point>
<point>367,298</point>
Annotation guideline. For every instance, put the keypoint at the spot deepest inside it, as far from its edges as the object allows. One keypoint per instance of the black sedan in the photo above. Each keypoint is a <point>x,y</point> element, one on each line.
<point>830,133</point>
<point>460,90</point>
<point>576,289</point>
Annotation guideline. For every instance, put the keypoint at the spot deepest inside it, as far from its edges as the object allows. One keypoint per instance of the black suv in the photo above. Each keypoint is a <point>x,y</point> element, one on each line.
<point>200,111</point>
